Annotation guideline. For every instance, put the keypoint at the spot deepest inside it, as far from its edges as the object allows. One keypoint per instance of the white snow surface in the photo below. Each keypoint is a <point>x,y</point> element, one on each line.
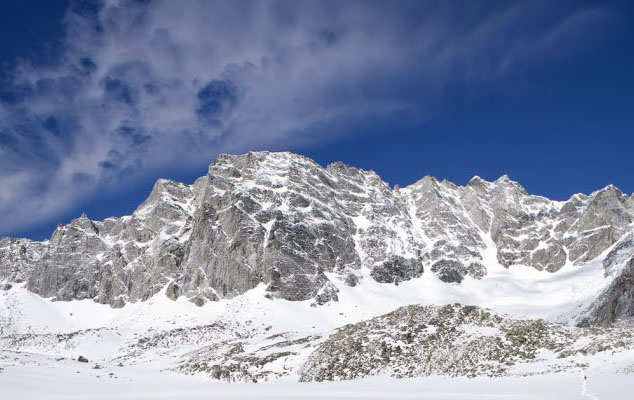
<point>71,381</point>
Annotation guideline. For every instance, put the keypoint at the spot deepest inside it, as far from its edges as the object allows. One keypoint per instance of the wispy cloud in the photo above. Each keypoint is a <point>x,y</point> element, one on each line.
<point>141,86</point>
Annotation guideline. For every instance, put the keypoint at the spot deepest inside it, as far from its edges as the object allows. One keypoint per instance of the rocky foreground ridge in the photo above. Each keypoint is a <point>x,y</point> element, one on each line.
<point>282,220</point>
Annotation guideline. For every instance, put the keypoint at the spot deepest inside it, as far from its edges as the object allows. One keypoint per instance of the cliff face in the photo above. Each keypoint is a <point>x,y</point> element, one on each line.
<point>17,258</point>
<point>616,302</point>
<point>302,230</point>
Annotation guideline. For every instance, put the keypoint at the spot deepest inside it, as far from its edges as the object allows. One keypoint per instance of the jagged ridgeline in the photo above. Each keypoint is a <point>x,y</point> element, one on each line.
<point>282,220</point>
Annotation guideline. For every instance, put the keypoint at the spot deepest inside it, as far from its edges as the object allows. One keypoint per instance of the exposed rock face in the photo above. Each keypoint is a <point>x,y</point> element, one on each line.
<point>616,302</point>
<point>119,259</point>
<point>282,220</point>
<point>270,219</point>
<point>17,257</point>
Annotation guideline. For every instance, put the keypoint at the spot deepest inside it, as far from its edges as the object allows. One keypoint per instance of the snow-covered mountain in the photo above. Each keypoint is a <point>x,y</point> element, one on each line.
<point>252,272</point>
<point>302,230</point>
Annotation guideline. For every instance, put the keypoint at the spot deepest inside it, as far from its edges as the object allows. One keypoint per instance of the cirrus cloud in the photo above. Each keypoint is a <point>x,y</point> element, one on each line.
<point>146,85</point>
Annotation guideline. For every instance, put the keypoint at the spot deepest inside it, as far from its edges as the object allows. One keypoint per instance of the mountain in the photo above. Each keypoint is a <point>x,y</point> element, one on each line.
<point>273,267</point>
<point>282,220</point>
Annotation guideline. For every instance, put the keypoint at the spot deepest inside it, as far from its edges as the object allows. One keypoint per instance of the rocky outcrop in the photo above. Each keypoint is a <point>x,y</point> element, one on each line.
<point>397,269</point>
<point>455,340</point>
<point>281,220</point>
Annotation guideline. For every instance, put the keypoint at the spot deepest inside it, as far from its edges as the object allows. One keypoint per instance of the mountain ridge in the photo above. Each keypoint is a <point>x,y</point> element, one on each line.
<point>283,220</point>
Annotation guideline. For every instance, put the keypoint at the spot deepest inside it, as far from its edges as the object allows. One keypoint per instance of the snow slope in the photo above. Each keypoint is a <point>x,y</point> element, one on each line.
<point>71,381</point>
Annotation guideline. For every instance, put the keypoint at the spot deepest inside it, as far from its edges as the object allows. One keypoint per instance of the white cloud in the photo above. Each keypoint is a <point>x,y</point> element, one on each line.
<point>141,86</point>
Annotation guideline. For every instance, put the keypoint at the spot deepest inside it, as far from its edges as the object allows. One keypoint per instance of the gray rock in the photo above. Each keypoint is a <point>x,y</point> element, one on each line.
<point>616,303</point>
<point>351,280</point>
<point>172,291</point>
<point>619,255</point>
<point>397,269</point>
<point>450,271</point>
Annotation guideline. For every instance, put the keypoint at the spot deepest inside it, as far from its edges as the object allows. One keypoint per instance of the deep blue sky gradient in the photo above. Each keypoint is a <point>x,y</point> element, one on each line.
<point>565,128</point>
<point>30,28</point>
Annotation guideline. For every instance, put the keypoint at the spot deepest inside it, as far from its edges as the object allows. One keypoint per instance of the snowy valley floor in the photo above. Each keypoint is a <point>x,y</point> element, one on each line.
<point>65,382</point>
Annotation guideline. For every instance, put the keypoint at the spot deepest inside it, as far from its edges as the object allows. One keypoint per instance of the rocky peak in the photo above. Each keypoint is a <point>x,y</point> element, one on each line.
<point>339,167</point>
<point>166,190</point>
<point>505,179</point>
<point>84,223</point>
<point>77,227</point>
<point>607,208</point>
<point>426,183</point>
<point>610,197</point>
<point>477,183</point>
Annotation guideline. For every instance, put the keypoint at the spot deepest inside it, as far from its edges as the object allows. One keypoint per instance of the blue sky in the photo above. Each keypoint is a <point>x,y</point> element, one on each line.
<point>98,100</point>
